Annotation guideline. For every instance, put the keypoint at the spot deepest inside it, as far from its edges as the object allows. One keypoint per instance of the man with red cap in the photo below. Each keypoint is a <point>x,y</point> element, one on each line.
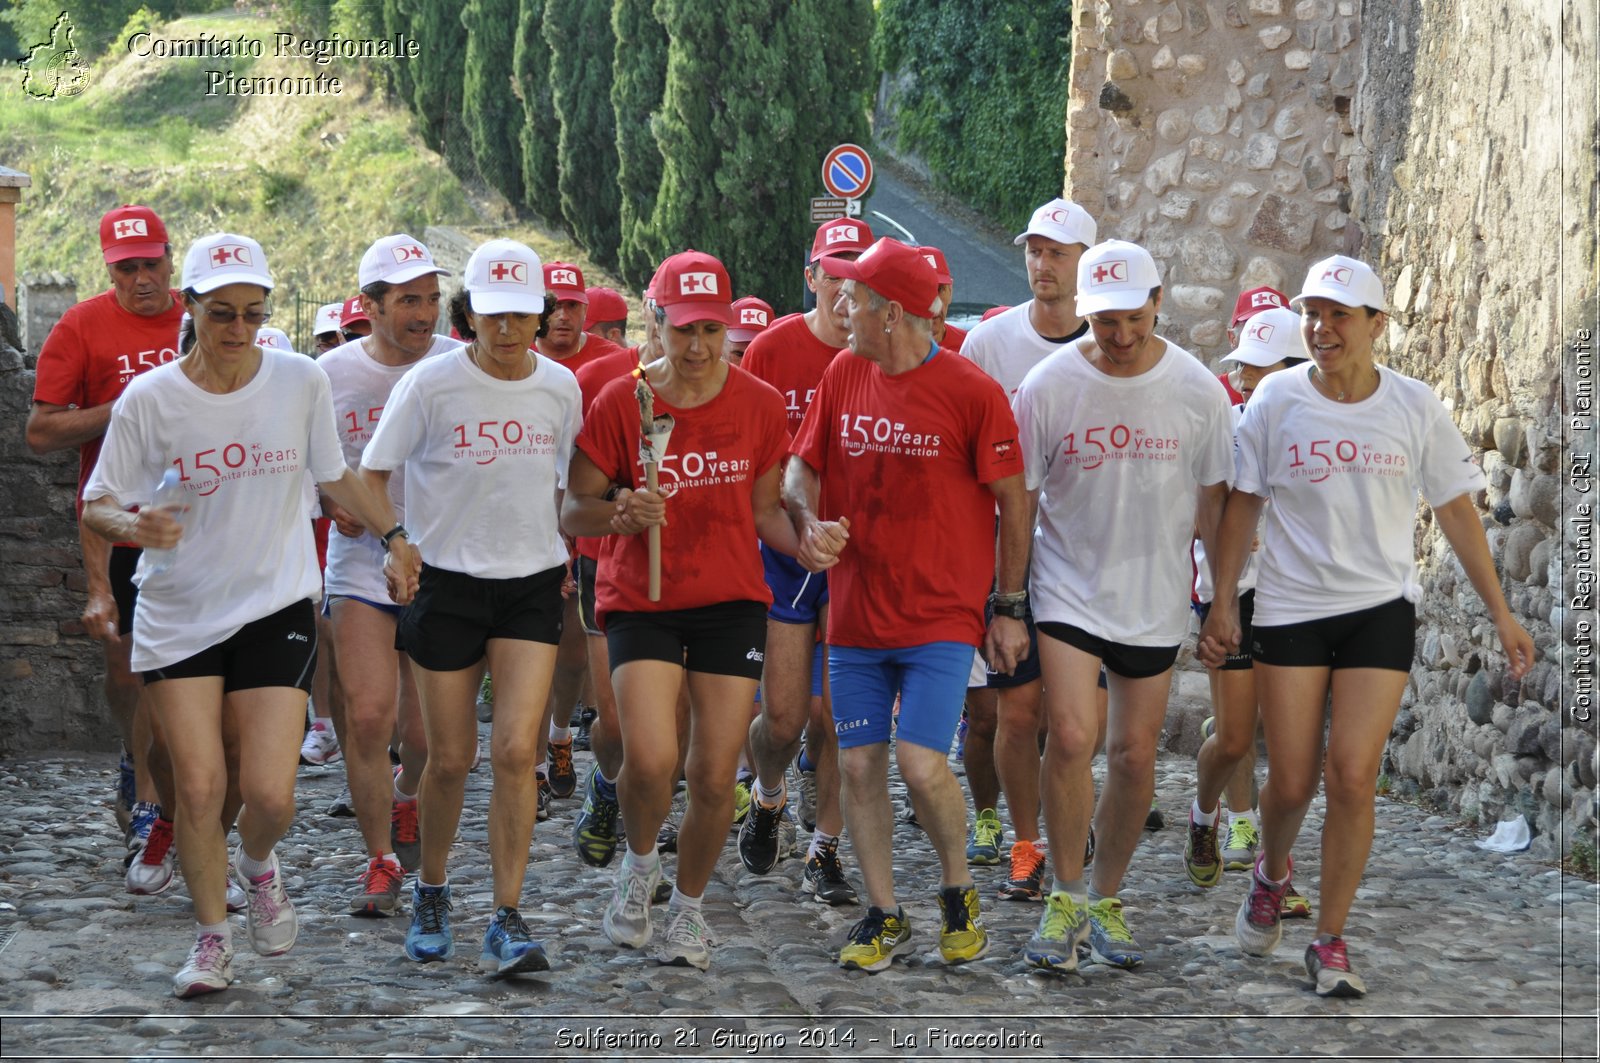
<point>566,309</point>
<point>90,356</point>
<point>1249,304</point>
<point>908,445</point>
<point>353,320</point>
<point>945,335</point>
<point>754,318</point>
<point>607,314</point>
<point>792,355</point>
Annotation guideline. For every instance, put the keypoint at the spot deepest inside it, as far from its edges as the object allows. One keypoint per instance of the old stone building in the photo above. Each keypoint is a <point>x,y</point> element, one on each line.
<point>1453,147</point>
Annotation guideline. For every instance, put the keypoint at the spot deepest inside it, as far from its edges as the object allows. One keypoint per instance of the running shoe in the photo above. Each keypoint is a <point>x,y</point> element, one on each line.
<point>876,940</point>
<point>1062,928</point>
<point>1239,851</point>
<point>1154,820</point>
<point>824,877</point>
<point>563,774</point>
<point>962,937</point>
<point>544,798</point>
<point>508,948</point>
<point>429,937</point>
<point>143,815</point>
<point>1295,905</point>
<point>405,837</point>
<point>806,788</point>
<point>126,793</point>
<point>486,700</point>
<point>152,868</point>
<point>1329,967</point>
<point>1200,854</point>
<point>983,844</point>
<point>667,837</point>
<point>627,918</point>
<point>342,805</point>
<point>378,888</point>
<point>321,745</point>
<point>238,899</point>
<point>688,940</point>
<point>594,832</point>
<point>961,736</point>
<point>1259,925</point>
<point>582,736</point>
<point>1110,941</point>
<point>477,755</point>
<point>1088,850</point>
<point>908,814</point>
<point>741,800</point>
<point>1026,880</point>
<point>758,837</point>
<point>209,968</point>
<point>788,835</point>
<point>270,917</point>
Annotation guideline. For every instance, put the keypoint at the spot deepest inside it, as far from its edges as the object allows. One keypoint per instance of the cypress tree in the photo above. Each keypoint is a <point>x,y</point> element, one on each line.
<point>540,132</point>
<point>582,49</point>
<point>436,74</point>
<point>638,79</point>
<point>491,113</point>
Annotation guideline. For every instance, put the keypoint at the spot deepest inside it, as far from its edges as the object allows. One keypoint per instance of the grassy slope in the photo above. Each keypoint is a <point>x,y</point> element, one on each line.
<point>314,178</point>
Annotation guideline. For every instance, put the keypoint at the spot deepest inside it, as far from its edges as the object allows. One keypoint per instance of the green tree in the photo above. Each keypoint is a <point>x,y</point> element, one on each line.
<point>997,142</point>
<point>582,49</point>
<point>756,93</point>
<point>638,78</point>
<point>96,28</point>
<point>436,89</point>
<point>540,131</point>
<point>490,111</point>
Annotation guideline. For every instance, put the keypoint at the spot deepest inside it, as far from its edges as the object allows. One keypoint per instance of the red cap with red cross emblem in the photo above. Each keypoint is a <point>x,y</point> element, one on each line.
<point>132,232</point>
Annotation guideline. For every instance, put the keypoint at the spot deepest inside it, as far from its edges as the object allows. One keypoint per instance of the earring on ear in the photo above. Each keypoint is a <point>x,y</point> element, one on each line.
<point>887,330</point>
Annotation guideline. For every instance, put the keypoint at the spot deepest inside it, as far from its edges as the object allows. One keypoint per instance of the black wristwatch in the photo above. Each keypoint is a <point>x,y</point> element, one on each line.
<point>1014,606</point>
<point>397,530</point>
<point>612,492</point>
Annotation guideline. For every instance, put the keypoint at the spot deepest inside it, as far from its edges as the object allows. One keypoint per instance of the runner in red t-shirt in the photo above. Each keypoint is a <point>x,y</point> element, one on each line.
<point>908,444</point>
<point>87,360</point>
<point>792,356</point>
<point>719,473</point>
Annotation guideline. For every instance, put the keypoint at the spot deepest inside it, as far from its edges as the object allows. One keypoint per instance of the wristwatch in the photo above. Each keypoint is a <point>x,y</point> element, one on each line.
<point>1013,605</point>
<point>397,530</point>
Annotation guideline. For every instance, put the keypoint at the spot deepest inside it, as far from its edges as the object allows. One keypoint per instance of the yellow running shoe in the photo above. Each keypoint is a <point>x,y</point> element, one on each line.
<point>962,937</point>
<point>876,940</point>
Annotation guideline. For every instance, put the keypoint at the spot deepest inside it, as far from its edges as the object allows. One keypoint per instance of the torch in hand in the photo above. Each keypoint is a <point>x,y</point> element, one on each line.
<point>654,432</point>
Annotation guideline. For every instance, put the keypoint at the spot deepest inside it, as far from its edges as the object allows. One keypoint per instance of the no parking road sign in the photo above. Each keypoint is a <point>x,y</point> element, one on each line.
<point>847,171</point>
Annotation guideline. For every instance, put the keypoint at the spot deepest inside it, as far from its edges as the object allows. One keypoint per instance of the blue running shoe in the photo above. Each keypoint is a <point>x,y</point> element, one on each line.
<point>429,936</point>
<point>508,948</point>
<point>1109,940</point>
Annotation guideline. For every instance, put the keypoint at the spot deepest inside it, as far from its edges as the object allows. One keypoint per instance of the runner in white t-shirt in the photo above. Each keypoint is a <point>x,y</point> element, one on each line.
<point>1005,712</point>
<point>485,433</point>
<point>229,625</point>
<point>1126,437</point>
<point>400,296</point>
<point>1342,448</point>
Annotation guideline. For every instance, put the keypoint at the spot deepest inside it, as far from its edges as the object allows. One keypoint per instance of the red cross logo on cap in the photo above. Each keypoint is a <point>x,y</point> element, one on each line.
<point>1339,275</point>
<point>1110,271</point>
<point>409,252</point>
<point>751,315</point>
<point>690,283</point>
<point>224,252</point>
<point>840,234</point>
<point>1260,332</point>
<point>508,268</point>
<point>565,277</point>
<point>130,227</point>
<point>1265,299</point>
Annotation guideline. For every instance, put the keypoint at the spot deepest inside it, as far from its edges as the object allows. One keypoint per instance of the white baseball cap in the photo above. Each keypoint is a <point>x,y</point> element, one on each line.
<point>224,258</point>
<point>1269,337</point>
<point>327,319</point>
<point>1115,275</point>
<point>397,259</point>
<point>505,277</point>
<point>276,338</point>
<point>1345,280</point>
<point>1060,220</point>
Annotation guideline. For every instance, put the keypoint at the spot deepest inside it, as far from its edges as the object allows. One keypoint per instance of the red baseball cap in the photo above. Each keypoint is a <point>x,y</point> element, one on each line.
<point>941,268</point>
<point>132,232</point>
<point>1256,300</point>
<point>840,236</point>
<point>351,312</point>
<point>694,286</point>
<point>605,304</point>
<point>895,271</point>
<point>565,281</point>
<point>753,316</point>
<point>993,311</point>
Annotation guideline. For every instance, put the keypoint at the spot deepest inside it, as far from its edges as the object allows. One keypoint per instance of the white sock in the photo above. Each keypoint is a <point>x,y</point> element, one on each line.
<point>1205,819</point>
<point>644,865</point>
<point>560,735</point>
<point>769,798</point>
<point>250,868</point>
<point>223,930</point>
<point>821,841</point>
<point>680,900</point>
<point>400,795</point>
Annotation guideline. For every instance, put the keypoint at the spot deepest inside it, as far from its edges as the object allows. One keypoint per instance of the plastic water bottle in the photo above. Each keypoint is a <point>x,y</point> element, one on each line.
<point>172,497</point>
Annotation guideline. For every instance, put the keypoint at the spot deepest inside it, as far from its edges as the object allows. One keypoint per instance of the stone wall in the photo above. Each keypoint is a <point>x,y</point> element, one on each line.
<point>1216,135</point>
<point>50,671</point>
<point>1451,146</point>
